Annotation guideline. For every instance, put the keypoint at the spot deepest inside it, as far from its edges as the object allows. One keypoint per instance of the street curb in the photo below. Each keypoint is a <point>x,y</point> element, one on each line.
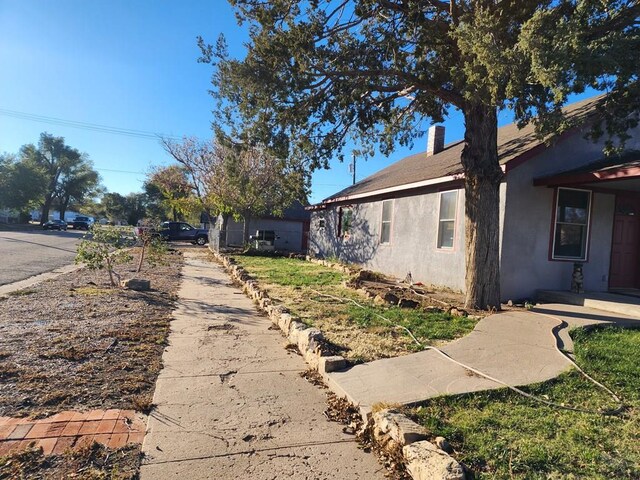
<point>41,277</point>
<point>392,430</point>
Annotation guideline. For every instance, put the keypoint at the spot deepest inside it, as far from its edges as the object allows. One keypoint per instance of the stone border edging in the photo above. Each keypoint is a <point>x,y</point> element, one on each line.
<point>308,340</point>
<point>392,430</point>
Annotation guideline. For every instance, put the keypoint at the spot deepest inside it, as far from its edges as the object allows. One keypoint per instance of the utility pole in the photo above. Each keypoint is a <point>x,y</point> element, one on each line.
<point>352,167</point>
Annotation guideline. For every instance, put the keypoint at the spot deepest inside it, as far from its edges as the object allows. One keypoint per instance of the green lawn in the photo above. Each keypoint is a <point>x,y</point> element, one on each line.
<point>501,435</point>
<point>359,332</point>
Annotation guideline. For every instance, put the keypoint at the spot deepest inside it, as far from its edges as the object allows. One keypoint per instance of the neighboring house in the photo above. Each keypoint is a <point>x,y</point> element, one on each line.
<point>291,230</point>
<point>559,204</point>
<point>55,215</point>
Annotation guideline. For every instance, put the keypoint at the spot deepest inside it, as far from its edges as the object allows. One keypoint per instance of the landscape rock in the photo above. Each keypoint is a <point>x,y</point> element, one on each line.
<point>425,461</point>
<point>309,339</point>
<point>333,363</point>
<point>442,444</point>
<point>407,303</point>
<point>284,322</point>
<point>136,284</point>
<point>378,300</point>
<point>397,426</point>
<point>294,330</point>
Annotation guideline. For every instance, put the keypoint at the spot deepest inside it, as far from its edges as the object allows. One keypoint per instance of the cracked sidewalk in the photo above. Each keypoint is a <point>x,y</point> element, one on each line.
<point>230,402</point>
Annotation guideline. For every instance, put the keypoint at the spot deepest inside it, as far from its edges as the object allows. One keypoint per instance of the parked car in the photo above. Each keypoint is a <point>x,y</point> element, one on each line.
<point>82,223</point>
<point>55,225</point>
<point>179,232</point>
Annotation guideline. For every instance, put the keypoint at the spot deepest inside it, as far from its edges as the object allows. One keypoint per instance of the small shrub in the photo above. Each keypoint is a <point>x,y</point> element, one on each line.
<point>103,248</point>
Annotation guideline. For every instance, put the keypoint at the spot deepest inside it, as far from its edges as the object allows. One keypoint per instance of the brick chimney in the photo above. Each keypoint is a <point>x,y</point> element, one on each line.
<point>435,140</point>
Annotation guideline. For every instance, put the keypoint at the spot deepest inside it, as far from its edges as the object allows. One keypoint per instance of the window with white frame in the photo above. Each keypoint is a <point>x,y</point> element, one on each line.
<point>447,219</point>
<point>385,230</point>
<point>571,230</point>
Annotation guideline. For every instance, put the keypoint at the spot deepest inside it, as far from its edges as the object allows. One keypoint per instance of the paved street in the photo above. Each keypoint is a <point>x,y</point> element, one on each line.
<point>32,252</point>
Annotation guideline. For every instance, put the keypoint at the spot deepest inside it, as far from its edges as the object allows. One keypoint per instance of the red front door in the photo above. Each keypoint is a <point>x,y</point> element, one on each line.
<point>625,261</point>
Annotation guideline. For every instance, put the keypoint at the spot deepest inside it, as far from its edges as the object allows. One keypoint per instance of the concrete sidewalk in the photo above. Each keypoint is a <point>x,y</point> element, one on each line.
<point>230,401</point>
<point>517,348</point>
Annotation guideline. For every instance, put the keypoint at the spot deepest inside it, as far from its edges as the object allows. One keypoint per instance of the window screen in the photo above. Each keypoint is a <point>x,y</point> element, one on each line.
<point>385,230</point>
<point>572,224</point>
<point>447,219</point>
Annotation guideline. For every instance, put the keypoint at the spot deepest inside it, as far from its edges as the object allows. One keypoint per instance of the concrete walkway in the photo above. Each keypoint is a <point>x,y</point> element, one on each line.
<point>515,347</point>
<point>230,401</point>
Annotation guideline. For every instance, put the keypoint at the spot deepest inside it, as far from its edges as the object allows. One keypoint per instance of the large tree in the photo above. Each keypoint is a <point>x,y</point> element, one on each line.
<point>76,185</point>
<point>319,73</point>
<point>239,179</point>
<point>170,187</point>
<point>250,181</point>
<point>52,158</point>
<point>128,208</point>
<point>22,184</point>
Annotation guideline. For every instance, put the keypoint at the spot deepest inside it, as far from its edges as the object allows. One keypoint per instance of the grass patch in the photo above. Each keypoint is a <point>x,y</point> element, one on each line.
<point>501,435</point>
<point>289,271</point>
<point>359,332</point>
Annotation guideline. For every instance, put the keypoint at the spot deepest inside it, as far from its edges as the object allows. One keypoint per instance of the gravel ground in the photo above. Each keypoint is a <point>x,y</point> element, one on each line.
<point>74,343</point>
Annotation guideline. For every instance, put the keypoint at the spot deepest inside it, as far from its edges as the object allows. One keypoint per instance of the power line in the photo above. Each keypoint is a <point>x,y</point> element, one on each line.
<point>96,127</point>
<point>118,171</point>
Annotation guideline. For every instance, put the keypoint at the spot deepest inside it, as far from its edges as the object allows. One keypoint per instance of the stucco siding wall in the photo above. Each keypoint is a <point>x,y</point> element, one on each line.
<point>413,244</point>
<point>525,264</point>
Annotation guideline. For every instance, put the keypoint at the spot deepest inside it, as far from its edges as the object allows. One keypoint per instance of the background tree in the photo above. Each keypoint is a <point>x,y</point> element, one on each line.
<point>249,182</point>
<point>123,208</point>
<point>319,73</point>
<point>76,184</point>
<point>135,207</point>
<point>22,184</point>
<point>53,158</point>
<point>154,200</point>
<point>238,179</point>
<point>171,187</point>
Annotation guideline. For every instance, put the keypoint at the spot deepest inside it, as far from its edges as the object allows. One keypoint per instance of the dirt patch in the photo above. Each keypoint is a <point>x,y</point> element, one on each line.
<point>410,295</point>
<point>74,343</point>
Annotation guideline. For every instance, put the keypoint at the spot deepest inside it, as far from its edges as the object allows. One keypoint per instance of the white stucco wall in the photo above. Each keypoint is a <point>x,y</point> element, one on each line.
<point>413,244</point>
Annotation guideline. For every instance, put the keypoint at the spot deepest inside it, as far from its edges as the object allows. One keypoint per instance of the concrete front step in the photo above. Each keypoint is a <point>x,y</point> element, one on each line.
<point>608,302</point>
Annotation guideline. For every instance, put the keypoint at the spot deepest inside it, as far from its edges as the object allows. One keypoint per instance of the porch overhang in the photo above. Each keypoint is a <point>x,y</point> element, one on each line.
<point>622,171</point>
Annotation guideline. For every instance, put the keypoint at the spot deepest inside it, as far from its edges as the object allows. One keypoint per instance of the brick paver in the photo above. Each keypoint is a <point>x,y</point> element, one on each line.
<point>71,430</point>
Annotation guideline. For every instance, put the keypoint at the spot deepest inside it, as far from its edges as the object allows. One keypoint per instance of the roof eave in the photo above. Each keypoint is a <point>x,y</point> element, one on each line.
<point>399,188</point>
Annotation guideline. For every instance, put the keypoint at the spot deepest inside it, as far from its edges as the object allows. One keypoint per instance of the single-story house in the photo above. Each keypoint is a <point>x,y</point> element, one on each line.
<point>559,204</point>
<point>291,229</point>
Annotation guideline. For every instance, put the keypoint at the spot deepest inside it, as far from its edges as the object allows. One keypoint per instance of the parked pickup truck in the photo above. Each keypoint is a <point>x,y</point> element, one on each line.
<point>82,223</point>
<point>180,232</point>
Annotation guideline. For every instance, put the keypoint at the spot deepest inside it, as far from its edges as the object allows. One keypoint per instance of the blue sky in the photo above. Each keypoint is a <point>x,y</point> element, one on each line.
<point>130,64</point>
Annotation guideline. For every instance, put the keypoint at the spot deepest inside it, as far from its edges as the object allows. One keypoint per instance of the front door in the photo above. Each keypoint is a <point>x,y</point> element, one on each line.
<point>625,261</point>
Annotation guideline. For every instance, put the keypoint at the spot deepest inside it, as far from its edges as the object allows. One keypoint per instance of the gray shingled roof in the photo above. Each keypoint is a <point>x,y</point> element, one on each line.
<point>512,142</point>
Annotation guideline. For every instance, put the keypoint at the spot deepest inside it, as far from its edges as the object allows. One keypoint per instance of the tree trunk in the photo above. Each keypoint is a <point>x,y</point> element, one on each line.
<point>63,207</point>
<point>245,229</point>
<point>224,230</point>
<point>46,206</point>
<point>482,204</point>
